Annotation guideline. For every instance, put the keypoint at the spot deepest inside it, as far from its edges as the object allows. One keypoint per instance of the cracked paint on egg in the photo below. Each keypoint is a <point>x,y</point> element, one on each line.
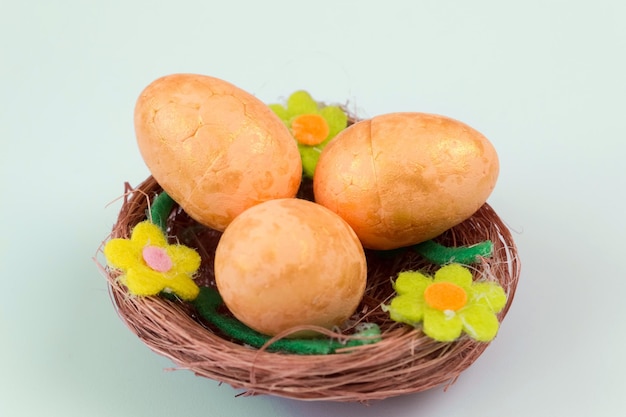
<point>216,149</point>
<point>290,262</point>
<point>403,178</point>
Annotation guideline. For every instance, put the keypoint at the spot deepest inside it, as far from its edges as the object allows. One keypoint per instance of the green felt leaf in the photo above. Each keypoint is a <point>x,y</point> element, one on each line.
<point>441,255</point>
<point>160,209</point>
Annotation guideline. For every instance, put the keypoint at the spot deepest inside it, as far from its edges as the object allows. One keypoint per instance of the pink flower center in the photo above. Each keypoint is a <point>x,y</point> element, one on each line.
<point>157,259</point>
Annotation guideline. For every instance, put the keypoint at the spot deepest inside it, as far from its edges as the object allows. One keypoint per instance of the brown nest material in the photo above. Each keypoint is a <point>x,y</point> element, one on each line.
<point>404,361</point>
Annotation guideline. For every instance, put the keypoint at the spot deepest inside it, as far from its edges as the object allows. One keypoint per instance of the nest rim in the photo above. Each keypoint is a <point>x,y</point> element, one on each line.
<point>405,360</point>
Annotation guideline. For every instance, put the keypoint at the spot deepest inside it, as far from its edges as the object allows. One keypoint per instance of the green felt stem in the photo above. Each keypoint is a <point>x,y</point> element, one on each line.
<point>209,300</point>
<point>441,255</point>
<point>160,209</point>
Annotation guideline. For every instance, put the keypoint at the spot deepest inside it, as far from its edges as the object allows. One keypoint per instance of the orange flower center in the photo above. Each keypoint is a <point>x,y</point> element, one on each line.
<point>310,129</point>
<point>445,296</point>
<point>157,258</point>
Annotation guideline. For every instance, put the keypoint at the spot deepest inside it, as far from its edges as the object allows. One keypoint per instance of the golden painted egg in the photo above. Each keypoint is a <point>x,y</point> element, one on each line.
<point>290,262</point>
<point>216,149</point>
<point>403,178</point>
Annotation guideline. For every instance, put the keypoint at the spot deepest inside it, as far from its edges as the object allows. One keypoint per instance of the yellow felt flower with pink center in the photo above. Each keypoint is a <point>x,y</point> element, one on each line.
<point>448,304</point>
<point>151,265</point>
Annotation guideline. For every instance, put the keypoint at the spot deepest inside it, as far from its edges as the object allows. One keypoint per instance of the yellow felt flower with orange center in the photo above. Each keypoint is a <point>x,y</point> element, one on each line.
<point>151,265</point>
<point>448,304</point>
<point>312,125</point>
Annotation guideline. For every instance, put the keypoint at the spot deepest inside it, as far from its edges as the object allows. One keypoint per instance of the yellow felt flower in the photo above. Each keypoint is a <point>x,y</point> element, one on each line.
<point>151,265</point>
<point>448,304</point>
<point>311,124</point>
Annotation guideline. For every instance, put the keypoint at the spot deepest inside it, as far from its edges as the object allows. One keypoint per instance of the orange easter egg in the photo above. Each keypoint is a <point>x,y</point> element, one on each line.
<point>290,262</point>
<point>215,149</point>
<point>403,178</point>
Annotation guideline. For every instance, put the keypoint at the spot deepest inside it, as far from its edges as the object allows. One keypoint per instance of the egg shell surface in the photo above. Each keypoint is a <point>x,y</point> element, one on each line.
<point>290,262</point>
<point>216,149</point>
<point>403,178</point>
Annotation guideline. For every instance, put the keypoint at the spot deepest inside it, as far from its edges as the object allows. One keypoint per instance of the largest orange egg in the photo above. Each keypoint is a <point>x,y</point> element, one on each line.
<point>403,178</point>
<point>216,149</point>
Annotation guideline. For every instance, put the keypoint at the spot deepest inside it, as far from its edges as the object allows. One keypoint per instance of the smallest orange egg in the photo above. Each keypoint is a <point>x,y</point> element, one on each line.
<point>290,262</point>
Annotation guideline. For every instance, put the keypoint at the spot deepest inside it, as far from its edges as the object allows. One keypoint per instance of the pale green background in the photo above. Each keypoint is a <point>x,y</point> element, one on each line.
<point>544,80</point>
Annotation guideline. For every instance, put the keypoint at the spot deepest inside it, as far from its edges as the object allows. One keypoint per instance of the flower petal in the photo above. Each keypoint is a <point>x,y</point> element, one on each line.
<point>479,322</point>
<point>336,118</point>
<point>309,155</point>
<point>442,326</point>
<point>148,233</point>
<point>280,111</point>
<point>144,281</point>
<point>122,253</point>
<point>411,282</point>
<point>183,286</point>
<point>301,102</point>
<point>489,294</point>
<point>407,308</point>
<point>185,259</point>
<point>456,274</point>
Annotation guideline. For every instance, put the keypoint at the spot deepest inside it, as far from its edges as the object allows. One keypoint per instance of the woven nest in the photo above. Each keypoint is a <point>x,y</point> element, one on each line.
<point>404,361</point>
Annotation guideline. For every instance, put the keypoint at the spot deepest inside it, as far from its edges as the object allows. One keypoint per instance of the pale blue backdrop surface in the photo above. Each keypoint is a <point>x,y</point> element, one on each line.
<point>544,80</point>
